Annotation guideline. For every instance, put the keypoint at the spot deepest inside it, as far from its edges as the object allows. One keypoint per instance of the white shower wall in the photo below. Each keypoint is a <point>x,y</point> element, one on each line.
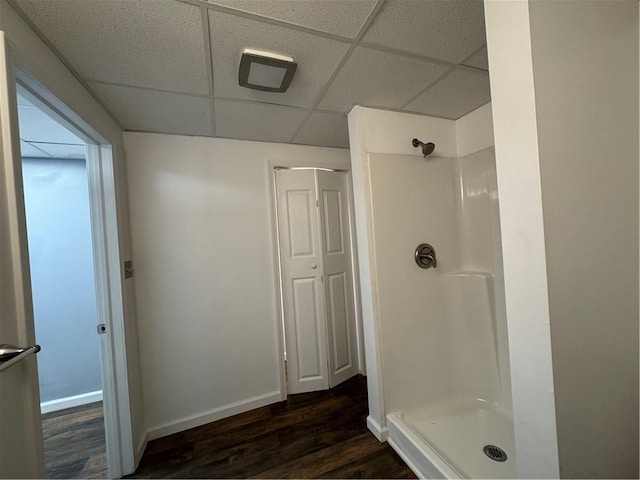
<point>480,246</point>
<point>466,143</point>
<point>442,331</point>
<point>412,205</point>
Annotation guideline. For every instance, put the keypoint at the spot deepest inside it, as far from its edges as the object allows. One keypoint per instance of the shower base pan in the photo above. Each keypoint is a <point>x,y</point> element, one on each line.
<point>448,440</point>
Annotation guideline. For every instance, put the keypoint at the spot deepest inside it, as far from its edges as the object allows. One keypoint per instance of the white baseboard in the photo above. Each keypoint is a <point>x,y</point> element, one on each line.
<point>214,414</point>
<point>68,402</point>
<point>142,445</point>
<point>381,433</point>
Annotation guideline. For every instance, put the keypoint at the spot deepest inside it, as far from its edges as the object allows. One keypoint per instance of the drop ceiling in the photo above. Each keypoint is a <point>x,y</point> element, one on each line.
<point>171,66</point>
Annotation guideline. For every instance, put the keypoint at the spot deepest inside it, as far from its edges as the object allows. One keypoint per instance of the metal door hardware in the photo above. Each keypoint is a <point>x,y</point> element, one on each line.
<point>102,329</point>
<point>10,354</point>
<point>425,256</point>
<point>128,269</point>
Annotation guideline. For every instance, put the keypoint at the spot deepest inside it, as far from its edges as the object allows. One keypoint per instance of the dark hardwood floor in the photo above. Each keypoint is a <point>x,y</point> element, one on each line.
<point>74,444</point>
<point>311,435</point>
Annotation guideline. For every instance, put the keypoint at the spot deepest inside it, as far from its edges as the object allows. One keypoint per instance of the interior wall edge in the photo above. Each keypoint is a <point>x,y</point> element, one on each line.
<point>361,195</point>
<point>522,234</point>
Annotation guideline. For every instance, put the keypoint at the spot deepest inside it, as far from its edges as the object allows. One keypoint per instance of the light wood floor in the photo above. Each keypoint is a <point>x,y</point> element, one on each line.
<point>311,435</point>
<point>74,444</point>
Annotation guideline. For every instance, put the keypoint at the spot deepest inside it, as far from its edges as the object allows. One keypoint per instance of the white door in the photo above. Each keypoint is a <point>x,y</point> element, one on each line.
<point>21,445</point>
<point>302,289</point>
<point>338,282</point>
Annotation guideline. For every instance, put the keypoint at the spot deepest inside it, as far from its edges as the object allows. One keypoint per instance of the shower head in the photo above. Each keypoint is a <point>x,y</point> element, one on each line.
<point>427,148</point>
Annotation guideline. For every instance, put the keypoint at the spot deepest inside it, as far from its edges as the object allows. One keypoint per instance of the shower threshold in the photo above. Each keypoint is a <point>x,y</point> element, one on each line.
<point>447,440</point>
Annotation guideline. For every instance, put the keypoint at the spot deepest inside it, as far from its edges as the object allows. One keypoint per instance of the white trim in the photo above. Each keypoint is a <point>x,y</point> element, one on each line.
<point>355,269</point>
<point>212,415</point>
<point>366,263</point>
<point>142,446</point>
<point>106,256</point>
<point>418,456</point>
<point>381,433</point>
<point>275,239</point>
<point>72,401</point>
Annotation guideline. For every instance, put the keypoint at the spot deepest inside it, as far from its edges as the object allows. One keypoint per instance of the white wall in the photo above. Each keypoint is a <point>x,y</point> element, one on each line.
<point>585,59</point>
<point>204,251</point>
<point>523,248</point>
<point>62,277</point>
<point>564,82</point>
<point>43,65</point>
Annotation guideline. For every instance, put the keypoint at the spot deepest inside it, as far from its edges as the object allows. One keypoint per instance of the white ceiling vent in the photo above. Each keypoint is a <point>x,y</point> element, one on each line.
<point>265,71</point>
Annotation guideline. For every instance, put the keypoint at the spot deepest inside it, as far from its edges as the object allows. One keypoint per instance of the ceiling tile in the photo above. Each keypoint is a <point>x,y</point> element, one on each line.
<point>257,121</point>
<point>34,125</point>
<point>339,17</point>
<point>381,79</point>
<point>29,151</point>
<point>454,96</point>
<point>479,59</point>
<point>449,30</point>
<point>156,44</point>
<point>324,130</point>
<point>154,111</point>
<point>58,150</point>
<point>317,58</point>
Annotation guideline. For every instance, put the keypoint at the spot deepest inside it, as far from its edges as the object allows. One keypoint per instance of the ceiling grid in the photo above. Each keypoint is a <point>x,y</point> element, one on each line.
<point>170,66</point>
<point>363,29</point>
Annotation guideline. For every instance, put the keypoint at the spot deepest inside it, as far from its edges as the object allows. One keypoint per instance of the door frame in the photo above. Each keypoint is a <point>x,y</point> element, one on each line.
<point>107,260</point>
<point>272,166</point>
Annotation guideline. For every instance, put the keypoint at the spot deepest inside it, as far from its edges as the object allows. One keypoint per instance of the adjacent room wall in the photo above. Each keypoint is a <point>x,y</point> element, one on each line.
<point>585,59</point>
<point>564,82</point>
<point>205,261</point>
<point>62,279</point>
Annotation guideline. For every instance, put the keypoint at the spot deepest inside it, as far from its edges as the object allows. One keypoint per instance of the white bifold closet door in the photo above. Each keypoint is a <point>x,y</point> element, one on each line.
<point>317,285</point>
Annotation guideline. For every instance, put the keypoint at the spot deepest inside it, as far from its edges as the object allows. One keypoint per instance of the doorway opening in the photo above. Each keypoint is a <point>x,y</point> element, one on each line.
<point>319,332</point>
<point>63,284</point>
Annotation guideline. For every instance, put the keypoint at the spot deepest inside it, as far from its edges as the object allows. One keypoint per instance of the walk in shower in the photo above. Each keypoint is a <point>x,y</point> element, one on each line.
<point>442,330</point>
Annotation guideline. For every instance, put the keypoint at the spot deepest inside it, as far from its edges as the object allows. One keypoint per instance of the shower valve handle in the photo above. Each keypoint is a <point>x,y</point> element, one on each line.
<point>426,259</point>
<point>425,256</point>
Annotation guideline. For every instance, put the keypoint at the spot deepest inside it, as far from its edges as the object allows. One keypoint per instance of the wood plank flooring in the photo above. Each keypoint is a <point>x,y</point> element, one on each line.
<point>312,435</point>
<point>74,444</point>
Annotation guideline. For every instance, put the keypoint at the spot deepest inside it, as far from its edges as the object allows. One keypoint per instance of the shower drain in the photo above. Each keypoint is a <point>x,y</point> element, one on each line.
<point>495,453</point>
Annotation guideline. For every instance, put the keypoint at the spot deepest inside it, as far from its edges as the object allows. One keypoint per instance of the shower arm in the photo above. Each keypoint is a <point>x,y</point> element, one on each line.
<point>427,148</point>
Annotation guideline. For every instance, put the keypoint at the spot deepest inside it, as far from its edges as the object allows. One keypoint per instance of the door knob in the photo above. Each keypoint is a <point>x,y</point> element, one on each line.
<point>314,266</point>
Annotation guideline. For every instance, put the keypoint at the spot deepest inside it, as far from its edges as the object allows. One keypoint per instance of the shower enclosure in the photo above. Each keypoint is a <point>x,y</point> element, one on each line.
<point>442,330</point>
